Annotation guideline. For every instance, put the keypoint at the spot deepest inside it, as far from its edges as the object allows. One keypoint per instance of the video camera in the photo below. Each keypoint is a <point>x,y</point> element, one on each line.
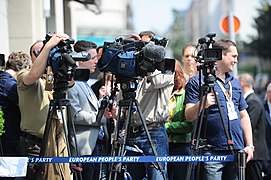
<point>160,41</point>
<point>134,58</point>
<point>208,55</point>
<point>62,62</point>
<point>206,52</point>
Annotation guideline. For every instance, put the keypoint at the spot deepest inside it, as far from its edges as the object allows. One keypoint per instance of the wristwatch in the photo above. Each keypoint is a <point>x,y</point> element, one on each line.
<point>251,146</point>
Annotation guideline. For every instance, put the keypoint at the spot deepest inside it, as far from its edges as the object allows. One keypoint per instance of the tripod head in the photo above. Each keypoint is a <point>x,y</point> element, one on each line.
<point>128,87</point>
<point>60,88</point>
<point>209,72</point>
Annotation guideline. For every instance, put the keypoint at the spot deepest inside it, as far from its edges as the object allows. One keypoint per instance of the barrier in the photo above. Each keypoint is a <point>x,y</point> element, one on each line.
<point>16,166</point>
<point>132,159</point>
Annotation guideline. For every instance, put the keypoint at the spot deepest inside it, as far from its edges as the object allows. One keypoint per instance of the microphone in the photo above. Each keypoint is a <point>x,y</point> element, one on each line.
<point>154,52</point>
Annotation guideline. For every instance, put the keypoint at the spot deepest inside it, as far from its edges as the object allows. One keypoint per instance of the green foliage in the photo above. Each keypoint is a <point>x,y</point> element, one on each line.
<point>250,68</point>
<point>176,34</point>
<point>1,122</point>
<point>260,44</point>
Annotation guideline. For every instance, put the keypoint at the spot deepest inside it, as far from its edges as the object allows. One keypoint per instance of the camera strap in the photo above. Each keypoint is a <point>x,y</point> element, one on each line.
<point>113,57</point>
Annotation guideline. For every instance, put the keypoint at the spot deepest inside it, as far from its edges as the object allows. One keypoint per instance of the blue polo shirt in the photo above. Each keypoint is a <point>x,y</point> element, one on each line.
<point>215,133</point>
<point>12,116</point>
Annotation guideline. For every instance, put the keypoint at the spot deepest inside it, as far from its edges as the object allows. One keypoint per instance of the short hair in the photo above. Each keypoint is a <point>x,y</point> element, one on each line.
<point>18,61</point>
<point>186,46</point>
<point>146,33</point>
<point>247,79</point>
<point>83,45</point>
<point>224,44</point>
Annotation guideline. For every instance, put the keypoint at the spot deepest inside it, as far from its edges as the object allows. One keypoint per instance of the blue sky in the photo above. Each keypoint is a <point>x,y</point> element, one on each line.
<point>156,15</point>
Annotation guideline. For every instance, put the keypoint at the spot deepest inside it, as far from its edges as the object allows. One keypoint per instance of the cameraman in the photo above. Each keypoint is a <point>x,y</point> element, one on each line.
<point>233,105</point>
<point>34,105</point>
<point>153,93</point>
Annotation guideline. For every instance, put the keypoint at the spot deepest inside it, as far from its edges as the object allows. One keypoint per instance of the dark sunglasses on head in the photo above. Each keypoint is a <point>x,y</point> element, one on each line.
<point>36,53</point>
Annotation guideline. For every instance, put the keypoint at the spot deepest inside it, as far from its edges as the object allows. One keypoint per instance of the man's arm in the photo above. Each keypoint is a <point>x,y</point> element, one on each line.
<point>191,110</point>
<point>160,80</point>
<point>39,66</point>
<point>247,131</point>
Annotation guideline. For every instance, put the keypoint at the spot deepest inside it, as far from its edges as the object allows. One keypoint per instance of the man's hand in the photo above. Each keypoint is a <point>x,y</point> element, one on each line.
<point>249,150</point>
<point>110,113</point>
<point>210,99</point>
<point>191,109</point>
<point>55,39</point>
<point>102,92</point>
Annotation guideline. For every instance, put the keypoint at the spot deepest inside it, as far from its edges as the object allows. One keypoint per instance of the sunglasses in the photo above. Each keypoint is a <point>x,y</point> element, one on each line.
<point>36,53</point>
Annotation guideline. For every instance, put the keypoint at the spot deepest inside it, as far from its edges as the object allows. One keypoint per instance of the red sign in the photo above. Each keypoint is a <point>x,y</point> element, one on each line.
<point>225,24</point>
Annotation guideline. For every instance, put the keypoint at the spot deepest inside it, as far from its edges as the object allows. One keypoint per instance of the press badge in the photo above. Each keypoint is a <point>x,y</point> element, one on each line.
<point>231,111</point>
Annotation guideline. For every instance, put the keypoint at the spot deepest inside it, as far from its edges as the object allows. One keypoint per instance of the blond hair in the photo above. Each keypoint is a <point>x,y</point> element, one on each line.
<point>18,61</point>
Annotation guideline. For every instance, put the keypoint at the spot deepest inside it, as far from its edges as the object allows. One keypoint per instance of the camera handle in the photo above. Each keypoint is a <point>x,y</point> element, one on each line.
<point>119,143</point>
<point>207,87</point>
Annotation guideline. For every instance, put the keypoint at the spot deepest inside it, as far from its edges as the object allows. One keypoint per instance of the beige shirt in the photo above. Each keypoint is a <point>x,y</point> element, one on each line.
<point>34,105</point>
<point>153,94</point>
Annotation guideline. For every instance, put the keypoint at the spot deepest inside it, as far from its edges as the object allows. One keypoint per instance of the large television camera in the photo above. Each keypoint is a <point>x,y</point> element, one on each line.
<point>206,52</point>
<point>134,58</point>
<point>62,63</point>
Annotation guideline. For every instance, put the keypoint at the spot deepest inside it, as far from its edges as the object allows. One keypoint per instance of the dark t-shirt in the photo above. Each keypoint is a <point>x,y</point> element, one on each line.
<point>215,133</point>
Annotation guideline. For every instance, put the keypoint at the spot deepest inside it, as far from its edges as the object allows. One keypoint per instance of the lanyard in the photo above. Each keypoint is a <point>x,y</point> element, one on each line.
<point>227,94</point>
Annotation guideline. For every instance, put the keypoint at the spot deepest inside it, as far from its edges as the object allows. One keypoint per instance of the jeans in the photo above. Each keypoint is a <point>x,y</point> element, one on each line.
<point>149,170</point>
<point>219,170</point>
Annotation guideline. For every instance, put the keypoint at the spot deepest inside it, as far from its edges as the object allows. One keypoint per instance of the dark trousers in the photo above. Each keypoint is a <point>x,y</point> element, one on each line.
<point>29,148</point>
<point>254,170</point>
<point>177,170</point>
<point>92,170</point>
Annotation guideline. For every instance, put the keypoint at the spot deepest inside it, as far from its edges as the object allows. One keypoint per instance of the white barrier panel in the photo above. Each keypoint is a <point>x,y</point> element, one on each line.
<point>13,166</point>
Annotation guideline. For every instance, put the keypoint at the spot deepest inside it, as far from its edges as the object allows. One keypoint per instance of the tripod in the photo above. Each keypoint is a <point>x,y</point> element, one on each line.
<point>117,170</point>
<point>57,105</point>
<point>197,143</point>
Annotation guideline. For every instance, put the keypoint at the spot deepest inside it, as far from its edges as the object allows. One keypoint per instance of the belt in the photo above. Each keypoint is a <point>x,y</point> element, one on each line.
<point>31,137</point>
<point>150,127</point>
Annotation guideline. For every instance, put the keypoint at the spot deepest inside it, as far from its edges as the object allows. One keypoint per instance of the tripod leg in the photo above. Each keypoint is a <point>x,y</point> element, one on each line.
<point>68,126</point>
<point>160,168</point>
<point>55,137</point>
<point>196,134</point>
<point>51,112</point>
<point>115,168</point>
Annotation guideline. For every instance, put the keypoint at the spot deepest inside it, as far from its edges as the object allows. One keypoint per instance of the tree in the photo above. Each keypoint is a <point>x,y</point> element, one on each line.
<point>176,34</point>
<point>260,44</point>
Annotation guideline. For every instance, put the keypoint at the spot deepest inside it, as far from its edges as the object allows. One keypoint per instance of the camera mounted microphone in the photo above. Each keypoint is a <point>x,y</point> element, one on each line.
<point>154,52</point>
